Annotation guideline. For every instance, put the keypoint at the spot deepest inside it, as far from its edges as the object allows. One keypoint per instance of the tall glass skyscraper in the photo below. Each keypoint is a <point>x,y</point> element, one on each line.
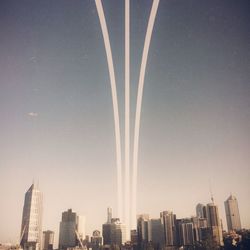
<point>72,230</point>
<point>31,229</point>
<point>232,213</point>
<point>168,220</point>
<point>214,222</point>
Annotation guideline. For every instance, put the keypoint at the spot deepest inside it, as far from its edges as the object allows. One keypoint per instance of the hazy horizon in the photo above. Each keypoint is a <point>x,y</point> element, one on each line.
<point>57,119</point>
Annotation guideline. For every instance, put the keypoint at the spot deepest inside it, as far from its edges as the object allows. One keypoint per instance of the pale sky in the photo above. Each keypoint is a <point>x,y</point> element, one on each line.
<point>56,108</point>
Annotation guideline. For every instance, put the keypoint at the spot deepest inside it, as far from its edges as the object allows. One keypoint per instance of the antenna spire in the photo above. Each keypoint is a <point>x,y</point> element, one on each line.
<point>211,193</point>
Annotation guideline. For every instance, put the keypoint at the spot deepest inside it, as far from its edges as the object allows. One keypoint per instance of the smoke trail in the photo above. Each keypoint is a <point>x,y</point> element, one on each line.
<point>114,100</point>
<point>138,105</point>
<point>127,125</point>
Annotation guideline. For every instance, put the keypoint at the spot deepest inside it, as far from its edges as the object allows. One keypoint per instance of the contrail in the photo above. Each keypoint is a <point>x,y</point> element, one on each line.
<point>115,102</point>
<point>138,106</point>
<point>127,125</point>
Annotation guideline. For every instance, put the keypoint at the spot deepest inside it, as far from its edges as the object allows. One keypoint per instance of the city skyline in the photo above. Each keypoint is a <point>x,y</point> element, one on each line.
<point>72,225</point>
<point>204,229</point>
<point>56,111</point>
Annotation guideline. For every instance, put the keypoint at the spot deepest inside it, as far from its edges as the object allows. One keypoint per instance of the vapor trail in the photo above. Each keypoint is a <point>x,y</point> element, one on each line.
<point>138,105</point>
<point>127,125</point>
<point>114,100</point>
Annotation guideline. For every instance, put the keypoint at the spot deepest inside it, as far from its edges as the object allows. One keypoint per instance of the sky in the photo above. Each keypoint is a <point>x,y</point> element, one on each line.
<point>56,108</point>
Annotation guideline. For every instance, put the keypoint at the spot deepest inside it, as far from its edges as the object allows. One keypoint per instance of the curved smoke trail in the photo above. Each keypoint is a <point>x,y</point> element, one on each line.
<point>115,102</point>
<point>138,106</point>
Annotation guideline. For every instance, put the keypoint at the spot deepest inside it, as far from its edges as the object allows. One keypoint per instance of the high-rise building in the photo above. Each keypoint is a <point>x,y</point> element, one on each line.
<point>186,232</point>
<point>107,229</point>
<point>48,240</point>
<point>195,221</point>
<point>72,230</point>
<point>232,213</point>
<point>214,223</point>
<point>168,220</point>
<point>119,234</point>
<point>142,230</point>
<point>203,231</point>
<point>81,222</point>
<point>156,233</point>
<point>31,229</point>
<point>201,211</point>
<point>114,232</point>
<point>134,237</point>
<point>96,240</point>
<point>68,227</point>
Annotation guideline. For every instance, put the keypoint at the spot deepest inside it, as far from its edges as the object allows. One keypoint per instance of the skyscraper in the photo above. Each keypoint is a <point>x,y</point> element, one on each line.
<point>186,232</point>
<point>214,223</point>
<point>67,233</point>
<point>168,220</point>
<point>81,222</point>
<point>113,231</point>
<point>119,234</point>
<point>142,230</point>
<point>232,213</point>
<point>201,211</point>
<point>31,229</point>
<point>96,240</point>
<point>156,233</point>
<point>72,229</point>
<point>48,240</point>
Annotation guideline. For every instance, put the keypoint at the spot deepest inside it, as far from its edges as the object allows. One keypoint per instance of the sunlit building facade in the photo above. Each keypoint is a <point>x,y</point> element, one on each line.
<point>31,229</point>
<point>48,240</point>
<point>168,220</point>
<point>72,230</point>
<point>232,213</point>
<point>214,223</point>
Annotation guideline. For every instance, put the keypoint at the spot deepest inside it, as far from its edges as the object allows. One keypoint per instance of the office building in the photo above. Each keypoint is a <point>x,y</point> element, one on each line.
<point>48,240</point>
<point>113,231</point>
<point>31,229</point>
<point>156,233</point>
<point>119,233</point>
<point>201,211</point>
<point>72,230</point>
<point>81,222</point>
<point>134,237</point>
<point>96,240</point>
<point>232,213</point>
<point>186,232</point>
<point>142,230</point>
<point>168,220</point>
<point>214,223</point>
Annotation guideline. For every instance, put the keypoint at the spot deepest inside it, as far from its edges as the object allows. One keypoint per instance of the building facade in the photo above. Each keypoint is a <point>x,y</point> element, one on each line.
<point>96,240</point>
<point>232,213</point>
<point>214,223</point>
<point>113,231</point>
<point>156,233</point>
<point>72,230</point>
<point>186,232</point>
<point>142,230</point>
<point>31,229</point>
<point>200,210</point>
<point>168,220</point>
<point>48,240</point>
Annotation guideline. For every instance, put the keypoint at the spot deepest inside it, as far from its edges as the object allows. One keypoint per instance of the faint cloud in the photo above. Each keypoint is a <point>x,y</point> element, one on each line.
<point>33,114</point>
